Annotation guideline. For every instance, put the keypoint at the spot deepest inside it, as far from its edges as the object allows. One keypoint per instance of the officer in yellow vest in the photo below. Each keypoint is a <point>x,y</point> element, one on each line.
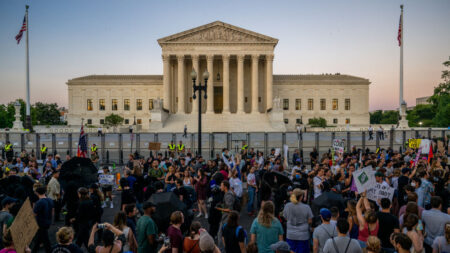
<point>94,149</point>
<point>180,147</point>
<point>172,147</point>
<point>8,151</point>
<point>43,152</point>
<point>244,148</point>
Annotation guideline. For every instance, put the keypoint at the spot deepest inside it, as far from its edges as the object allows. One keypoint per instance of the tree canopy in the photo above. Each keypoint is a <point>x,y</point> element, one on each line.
<point>113,120</point>
<point>41,114</point>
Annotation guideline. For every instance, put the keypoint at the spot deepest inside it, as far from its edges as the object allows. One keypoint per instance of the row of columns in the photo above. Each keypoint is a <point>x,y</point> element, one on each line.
<point>226,82</point>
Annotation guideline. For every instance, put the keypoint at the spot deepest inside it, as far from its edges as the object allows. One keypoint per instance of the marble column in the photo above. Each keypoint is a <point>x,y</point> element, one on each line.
<point>181,86</point>
<point>210,92</point>
<point>226,83</point>
<point>196,68</point>
<point>255,61</point>
<point>166,82</point>
<point>269,78</point>
<point>240,83</point>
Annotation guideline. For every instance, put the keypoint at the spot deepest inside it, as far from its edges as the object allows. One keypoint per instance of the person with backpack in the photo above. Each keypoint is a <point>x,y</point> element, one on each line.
<point>234,236</point>
<point>342,243</point>
<point>228,205</point>
<point>324,231</point>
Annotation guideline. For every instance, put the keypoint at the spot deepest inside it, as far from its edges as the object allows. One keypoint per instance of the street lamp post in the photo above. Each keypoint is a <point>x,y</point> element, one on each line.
<point>199,88</point>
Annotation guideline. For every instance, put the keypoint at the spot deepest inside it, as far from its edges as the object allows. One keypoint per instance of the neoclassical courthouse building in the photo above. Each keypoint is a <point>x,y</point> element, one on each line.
<point>243,94</point>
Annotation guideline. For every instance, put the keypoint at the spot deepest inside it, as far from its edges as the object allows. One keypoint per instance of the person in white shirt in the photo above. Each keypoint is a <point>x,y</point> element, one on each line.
<point>251,190</point>
<point>236,184</point>
<point>318,180</point>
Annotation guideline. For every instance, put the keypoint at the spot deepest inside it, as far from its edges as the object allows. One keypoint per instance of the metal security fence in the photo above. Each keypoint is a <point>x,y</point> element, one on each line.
<point>115,147</point>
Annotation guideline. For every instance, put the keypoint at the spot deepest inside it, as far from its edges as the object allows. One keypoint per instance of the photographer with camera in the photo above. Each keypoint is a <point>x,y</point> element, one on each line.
<point>112,239</point>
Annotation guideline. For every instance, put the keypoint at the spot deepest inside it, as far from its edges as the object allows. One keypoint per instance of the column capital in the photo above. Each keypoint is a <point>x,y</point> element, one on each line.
<point>241,57</point>
<point>210,57</point>
<point>255,56</point>
<point>165,57</point>
<point>180,57</point>
<point>195,57</point>
<point>269,57</point>
<point>225,57</point>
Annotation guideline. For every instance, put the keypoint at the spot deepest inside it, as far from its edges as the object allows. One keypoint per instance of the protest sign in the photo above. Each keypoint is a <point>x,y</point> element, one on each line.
<point>425,146</point>
<point>277,152</point>
<point>338,145</point>
<point>105,179</point>
<point>154,146</point>
<point>414,143</point>
<point>380,191</point>
<point>364,179</point>
<point>440,146</point>
<point>285,151</point>
<point>24,227</point>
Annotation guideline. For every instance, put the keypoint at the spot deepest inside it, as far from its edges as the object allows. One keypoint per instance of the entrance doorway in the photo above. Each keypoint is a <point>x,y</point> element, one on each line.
<point>218,99</point>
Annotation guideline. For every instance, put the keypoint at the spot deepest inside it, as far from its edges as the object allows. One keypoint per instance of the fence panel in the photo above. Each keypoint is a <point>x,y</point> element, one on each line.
<point>257,141</point>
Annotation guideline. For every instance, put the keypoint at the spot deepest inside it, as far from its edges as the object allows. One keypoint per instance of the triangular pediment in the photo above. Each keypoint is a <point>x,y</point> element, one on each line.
<point>217,32</point>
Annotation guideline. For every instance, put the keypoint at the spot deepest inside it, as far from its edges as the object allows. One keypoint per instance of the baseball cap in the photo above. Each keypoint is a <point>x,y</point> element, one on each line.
<point>148,204</point>
<point>325,213</point>
<point>8,200</point>
<point>280,246</point>
<point>206,242</point>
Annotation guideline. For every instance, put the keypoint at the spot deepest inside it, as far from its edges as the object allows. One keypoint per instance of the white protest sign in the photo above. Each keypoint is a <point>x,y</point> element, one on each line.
<point>364,179</point>
<point>285,150</point>
<point>277,152</point>
<point>425,146</point>
<point>106,179</point>
<point>338,145</point>
<point>380,191</point>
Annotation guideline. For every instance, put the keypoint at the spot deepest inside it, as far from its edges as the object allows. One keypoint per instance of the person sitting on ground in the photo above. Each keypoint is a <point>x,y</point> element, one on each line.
<point>342,243</point>
<point>65,236</point>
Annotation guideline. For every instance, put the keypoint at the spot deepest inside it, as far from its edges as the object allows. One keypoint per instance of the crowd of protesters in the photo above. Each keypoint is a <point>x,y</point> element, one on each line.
<point>219,191</point>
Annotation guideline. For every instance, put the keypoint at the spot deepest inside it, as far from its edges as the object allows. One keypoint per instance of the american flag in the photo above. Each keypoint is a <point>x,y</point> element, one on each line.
<point>400,32</point>
<point>82,144</point>
<point>22,29</point>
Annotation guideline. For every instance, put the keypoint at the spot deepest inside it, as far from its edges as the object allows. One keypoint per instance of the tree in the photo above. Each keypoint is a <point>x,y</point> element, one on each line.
<point>421,113</point>
<point>384,117</point>
<point>317,122</point>
<point>376,117</point>
<point>113,120</point>
<point>46,114</point>
<point>441,99</point>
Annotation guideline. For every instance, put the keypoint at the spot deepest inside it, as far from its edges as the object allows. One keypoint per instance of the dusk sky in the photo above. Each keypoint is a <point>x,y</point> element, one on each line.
<point>69,39</point>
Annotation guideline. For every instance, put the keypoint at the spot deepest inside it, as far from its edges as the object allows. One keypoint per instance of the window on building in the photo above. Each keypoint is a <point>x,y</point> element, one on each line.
<point>323,104</point>
<point>190,100</point>
<point>101,104</point>
<point>150,104</point>
<point>114,106</point>
<point>127,121</point>
<point>286,121</point>
<point>259,99</point>
<point>102,121</point>
<point>89,121</point>
<point>139,121</point>
<point>90,106</point>
<point>138,104</point>
<point>126,104</point>
<point>310,104</point>
<point>335,121</point>
<point>347,121</point>
<point>298,104</point>
<point>335,104</point>
<point>285,104</point>
<point>299,121</point>
<point>245,100</point>
<point>347,104</point>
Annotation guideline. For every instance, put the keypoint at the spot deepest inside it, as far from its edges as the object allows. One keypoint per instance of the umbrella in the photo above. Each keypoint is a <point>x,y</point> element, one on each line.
<point>80,171</point>
<point>276,179</point>
<point>328,200</point>
<point>166,203</point>
<point>17,187</point>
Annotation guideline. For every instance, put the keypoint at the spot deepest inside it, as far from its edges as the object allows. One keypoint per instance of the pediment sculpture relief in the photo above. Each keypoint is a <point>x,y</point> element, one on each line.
<point>218,34</point>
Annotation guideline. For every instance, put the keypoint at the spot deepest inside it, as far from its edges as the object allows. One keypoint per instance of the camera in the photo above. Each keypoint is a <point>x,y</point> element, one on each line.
<point>167,241</point>
<point>164,239</point>
<point>101,226</point>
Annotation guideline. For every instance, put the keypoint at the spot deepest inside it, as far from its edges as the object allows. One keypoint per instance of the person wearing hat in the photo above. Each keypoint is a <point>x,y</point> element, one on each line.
<point>147,230</point>
<point>54,193</point>
<point>281,247</point>
<point>5,215</point>
<point>323,232</point>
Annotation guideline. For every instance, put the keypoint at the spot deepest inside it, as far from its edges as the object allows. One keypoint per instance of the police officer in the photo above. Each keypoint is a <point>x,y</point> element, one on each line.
<point>94,149</point>
<point>8,150</point>
<point>43,152</point>
<point>171,147</point>
<point>180,147</point>
<point>244,148</point>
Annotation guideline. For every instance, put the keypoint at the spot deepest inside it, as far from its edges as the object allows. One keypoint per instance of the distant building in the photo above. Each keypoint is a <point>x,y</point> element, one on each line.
<point>422,100</point>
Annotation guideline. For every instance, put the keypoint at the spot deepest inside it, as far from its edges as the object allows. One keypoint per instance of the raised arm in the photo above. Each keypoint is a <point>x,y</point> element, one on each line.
<point>359,213</point>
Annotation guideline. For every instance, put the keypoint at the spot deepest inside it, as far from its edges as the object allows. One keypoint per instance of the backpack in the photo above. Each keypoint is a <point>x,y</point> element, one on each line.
<point>237,233</point>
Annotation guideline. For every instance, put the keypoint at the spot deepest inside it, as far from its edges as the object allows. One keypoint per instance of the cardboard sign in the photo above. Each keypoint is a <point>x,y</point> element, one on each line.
<point>338,145</point>
<point>24,227</point>
<point>380,191</point>
<point>154,146</point>
<point>106,179</point>
<point>440,146</point>
<point>364,179</point>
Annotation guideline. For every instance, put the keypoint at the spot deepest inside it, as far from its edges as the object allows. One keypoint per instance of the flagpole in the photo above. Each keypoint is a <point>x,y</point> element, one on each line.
<point>28,117</point>
<point>401,62</point>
